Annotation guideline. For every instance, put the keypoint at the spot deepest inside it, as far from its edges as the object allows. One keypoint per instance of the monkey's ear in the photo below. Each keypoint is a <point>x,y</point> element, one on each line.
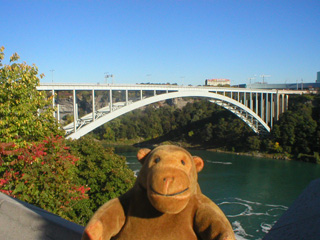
<point>142,153</point>
<point>198,162</point>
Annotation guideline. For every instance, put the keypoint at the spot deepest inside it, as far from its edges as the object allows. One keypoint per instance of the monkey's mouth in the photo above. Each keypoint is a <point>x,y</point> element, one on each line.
<point>169,195</point>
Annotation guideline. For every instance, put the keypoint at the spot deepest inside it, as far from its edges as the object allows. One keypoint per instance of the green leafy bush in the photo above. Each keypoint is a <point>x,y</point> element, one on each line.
<point>99,168</point>
<point>42,174</point>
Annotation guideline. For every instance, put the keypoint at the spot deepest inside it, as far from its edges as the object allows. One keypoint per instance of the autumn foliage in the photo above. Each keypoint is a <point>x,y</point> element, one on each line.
<point>43,174</point>
<point>36,165</point>
<point>33,167</point>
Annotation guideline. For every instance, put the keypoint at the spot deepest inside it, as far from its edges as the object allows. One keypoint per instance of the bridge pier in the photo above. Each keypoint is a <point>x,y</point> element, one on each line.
<point>272,112</point>
<point>75,113</point>
<point>53,103</point>
<point>261,107</point>
<point>58,113</point>
<point>110,100</point>
<point>277,106</point>
<point>127,97</point>
<point>257,104</point>
<point>93,106</point>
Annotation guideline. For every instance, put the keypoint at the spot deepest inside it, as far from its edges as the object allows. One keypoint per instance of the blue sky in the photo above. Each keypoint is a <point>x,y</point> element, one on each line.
<point>176,41</point>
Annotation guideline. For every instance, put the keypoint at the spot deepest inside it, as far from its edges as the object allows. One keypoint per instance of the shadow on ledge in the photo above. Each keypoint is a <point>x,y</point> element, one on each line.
<point>20,220</point>
<point>302,219</point>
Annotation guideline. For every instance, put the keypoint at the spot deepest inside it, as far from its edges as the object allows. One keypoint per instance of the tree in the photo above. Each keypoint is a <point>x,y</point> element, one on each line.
<point>207,133</point>
<point>103,171</point>
<point>253,143</point>
<point>25,114</point>
<point>109,134</point>
<point>297,131</point>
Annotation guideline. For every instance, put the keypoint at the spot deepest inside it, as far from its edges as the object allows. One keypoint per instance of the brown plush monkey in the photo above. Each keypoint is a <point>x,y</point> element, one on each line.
<point>165,203</point>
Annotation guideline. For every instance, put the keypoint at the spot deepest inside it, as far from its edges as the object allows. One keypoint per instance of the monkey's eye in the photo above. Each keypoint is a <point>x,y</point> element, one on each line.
<point>157,160</point>
<point>183,162</point>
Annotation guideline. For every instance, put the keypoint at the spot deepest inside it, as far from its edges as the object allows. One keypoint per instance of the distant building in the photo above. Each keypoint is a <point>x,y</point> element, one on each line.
<point>217,82</point>
<point>292,86</point>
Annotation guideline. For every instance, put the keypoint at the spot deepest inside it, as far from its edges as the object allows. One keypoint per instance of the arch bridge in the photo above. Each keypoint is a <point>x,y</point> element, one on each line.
<point>258,108</point>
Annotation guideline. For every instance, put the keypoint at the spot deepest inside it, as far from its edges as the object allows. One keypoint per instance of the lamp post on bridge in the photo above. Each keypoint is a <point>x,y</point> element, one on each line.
<point>106,76</point>
<point>52,70</point>
<point>250,79</point>
<point>263,76</point>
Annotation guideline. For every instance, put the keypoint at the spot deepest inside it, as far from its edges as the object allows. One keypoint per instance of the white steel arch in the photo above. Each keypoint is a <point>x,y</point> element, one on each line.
<point>234,106</point>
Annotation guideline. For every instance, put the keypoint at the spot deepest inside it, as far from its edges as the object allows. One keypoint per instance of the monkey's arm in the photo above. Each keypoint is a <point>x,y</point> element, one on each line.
<point>106,222</point>
<point>210,222</point>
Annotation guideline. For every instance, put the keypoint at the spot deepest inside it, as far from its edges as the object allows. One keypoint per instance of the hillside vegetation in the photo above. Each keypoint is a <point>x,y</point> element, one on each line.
<point>202,124</point>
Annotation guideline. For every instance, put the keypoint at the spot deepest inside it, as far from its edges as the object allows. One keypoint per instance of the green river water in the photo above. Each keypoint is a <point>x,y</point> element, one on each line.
<point>252,192</point>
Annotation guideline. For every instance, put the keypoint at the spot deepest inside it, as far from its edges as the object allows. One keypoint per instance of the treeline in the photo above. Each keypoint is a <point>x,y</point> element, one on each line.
<point>297,133</point>
<point>38,165</point>
<point>200,123</point>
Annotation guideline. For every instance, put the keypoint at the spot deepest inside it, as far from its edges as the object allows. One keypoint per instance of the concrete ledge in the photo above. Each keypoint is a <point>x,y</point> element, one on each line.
<point>302,219</point>
<point>20,220</point>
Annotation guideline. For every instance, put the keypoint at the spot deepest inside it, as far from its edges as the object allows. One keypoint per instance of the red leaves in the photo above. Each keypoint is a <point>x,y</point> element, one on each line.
<point>43,174</point>
<point>82,190</point>
<point>8,192</point>
<point>3,182</point>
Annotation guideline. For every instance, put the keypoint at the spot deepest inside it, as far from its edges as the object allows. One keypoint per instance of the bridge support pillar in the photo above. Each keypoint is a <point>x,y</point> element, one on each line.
<point>53,100</point>
<point>110,102</point>
<point>277,106</point>
<point>74,111</point>
<point>93,106</point>
<point>267,115</point>
<point>58,113</point>
<point>127,97</point>
<point>261,107</point>
<point>271,109</point>
<point>257,103</point>
<point>282,104</point>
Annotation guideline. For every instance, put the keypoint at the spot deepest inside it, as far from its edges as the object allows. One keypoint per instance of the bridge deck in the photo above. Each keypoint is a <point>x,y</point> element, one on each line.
<point>157,87</point>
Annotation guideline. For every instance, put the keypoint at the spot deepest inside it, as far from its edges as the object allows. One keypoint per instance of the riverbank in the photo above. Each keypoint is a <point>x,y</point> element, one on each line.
<point>198,147</point>
<point>254,154</point>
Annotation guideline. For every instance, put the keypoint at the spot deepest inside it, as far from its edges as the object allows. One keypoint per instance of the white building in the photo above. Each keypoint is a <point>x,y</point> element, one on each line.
<point>217,82</point>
